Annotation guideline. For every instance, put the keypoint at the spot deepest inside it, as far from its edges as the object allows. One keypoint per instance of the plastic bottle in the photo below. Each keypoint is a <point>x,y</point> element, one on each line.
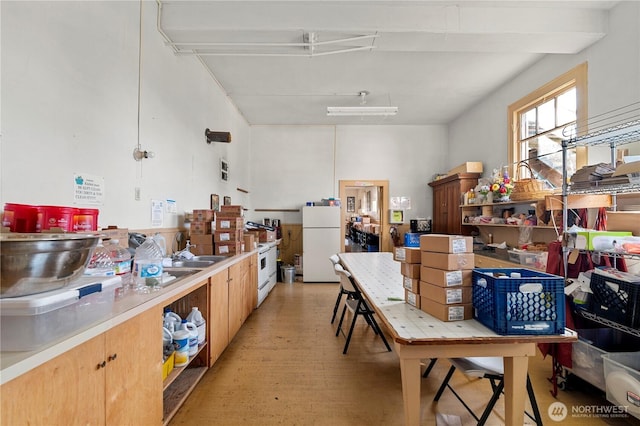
<point>172,320</point>
<point>193,336</point>
<point>100,263</point>
<point>121,259</point>
<point>147,267</point>
<point>195,316</point>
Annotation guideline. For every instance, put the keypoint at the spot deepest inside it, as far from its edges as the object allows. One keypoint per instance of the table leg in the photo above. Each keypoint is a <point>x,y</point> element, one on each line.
<point>410,372</point>
<point>515,389</point>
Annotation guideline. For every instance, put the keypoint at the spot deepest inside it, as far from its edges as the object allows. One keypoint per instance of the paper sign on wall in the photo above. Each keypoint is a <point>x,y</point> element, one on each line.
<point>88,189</point>
<point>157,213</point>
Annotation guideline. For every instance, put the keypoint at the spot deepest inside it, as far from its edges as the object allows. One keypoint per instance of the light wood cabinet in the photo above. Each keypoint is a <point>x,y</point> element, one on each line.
<point>218,324</point>
<point>447,193</point>
<point>114,378</point>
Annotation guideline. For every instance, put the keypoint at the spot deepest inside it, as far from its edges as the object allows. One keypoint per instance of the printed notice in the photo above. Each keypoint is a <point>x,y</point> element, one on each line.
<point>88,189</point>
<point>157,213</point>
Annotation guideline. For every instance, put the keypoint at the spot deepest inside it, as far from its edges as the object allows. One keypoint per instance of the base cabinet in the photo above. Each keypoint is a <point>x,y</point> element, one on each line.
<point>218,324</point>
<point>114,378</point>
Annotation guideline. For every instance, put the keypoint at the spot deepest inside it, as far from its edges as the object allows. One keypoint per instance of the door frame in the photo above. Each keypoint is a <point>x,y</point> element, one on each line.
<point>383,188</point>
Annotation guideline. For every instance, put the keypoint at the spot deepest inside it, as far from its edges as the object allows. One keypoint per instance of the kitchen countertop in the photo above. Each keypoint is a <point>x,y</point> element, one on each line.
<point>125,307</point>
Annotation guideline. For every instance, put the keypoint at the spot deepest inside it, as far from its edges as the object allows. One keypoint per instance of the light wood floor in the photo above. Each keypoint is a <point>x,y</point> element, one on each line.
<point>286,367</point>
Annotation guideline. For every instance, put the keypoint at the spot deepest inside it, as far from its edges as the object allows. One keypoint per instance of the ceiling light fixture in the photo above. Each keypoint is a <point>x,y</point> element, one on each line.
<point>362,110</point>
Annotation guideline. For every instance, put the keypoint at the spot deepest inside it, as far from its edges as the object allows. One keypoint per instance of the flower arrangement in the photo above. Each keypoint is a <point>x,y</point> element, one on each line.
<point>501,185</point>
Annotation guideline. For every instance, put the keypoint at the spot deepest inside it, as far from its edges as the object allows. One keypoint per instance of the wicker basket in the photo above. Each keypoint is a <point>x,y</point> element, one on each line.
<point>528,188</point>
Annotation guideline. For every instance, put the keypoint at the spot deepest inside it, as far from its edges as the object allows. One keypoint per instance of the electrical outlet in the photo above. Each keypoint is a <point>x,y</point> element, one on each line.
<point>137,194</point>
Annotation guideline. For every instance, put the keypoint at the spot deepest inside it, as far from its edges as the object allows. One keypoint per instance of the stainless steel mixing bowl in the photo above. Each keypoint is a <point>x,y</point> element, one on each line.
<point>34,263</point>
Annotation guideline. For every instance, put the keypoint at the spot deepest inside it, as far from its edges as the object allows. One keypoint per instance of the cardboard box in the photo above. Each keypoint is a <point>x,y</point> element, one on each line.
<point>203,215</point>
<point>202,249</point>
<point>624,221</point>
<point>202,240</point>
<point>446,312</point>
<point>200,228</point>
<point>448,261</point>
<point>412,298</point>
<point>411,284</point>
<point>411,270</point>
<point>228,235</point>
<point>468,167</point>
<point>120,234</point>
<point>228,248</point>
<point>446,295</point>
<point>442,243</point>
<point>444,278</point>
<point>230,211</point>
<point>264,235</point>
<point>249,241</point>
<point>229,223</point>
<point>407,254</point>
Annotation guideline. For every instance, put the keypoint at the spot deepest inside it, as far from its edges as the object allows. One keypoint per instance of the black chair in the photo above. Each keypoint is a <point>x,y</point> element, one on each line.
<point>357,305</point>
<point>486,368</point>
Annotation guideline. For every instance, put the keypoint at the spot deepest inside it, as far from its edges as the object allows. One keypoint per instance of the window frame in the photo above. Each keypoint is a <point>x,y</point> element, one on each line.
<point>575,77</point>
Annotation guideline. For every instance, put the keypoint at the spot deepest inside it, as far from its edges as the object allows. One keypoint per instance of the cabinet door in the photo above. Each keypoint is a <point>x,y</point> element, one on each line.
<point>253,281</point>
<point>218,323</point>
<point>134,371</point>
<point>236,296</point>
<point>247,290</point>
<point>68,390</point>
<point>440,211</point>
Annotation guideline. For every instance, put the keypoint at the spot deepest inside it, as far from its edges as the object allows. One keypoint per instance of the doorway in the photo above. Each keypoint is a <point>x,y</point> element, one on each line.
<point>365,198</point>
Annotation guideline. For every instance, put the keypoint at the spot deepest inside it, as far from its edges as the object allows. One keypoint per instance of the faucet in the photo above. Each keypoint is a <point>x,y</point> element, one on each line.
<point>185,253</point>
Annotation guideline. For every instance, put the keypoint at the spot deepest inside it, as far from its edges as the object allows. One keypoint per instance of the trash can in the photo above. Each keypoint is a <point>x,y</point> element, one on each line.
<point>288,274</point>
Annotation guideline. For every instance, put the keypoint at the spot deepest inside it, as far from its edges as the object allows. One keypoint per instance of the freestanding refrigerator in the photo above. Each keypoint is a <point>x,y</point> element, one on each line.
<point>320,239</point>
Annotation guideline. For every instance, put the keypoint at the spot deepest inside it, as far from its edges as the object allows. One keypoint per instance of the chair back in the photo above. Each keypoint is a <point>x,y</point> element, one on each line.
<point>345,278</point>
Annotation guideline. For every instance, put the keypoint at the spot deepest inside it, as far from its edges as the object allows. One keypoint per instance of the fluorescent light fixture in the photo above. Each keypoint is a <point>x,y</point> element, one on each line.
<point>361,110</point>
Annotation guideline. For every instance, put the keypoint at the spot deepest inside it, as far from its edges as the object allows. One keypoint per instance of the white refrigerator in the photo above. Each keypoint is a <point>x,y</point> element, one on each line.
<point>320,239</point>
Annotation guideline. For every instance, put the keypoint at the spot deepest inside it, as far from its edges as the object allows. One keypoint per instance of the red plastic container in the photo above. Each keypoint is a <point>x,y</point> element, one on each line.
<point>20,217</point>
<point>56,217</point>
<point>85,220</point>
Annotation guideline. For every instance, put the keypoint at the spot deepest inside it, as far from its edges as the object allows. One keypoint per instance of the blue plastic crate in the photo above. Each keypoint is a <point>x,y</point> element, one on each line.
<point>531,304</point>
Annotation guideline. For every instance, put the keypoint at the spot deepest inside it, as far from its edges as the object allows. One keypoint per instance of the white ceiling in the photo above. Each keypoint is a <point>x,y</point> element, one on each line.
<point>431,59</point>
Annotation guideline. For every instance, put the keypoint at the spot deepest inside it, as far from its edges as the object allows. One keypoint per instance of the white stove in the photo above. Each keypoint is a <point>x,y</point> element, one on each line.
<point>267,269</point>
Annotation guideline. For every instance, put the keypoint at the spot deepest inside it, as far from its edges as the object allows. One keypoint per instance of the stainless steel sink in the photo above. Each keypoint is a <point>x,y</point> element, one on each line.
<point>210,258</point>
<point>184,263</point>
<point>179,274</point>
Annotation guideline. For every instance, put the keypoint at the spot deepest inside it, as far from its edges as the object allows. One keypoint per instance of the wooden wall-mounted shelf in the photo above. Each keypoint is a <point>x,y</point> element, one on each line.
<point>276,210</point>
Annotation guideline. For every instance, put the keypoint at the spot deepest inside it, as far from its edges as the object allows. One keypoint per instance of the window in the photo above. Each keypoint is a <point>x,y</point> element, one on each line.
<point>540,121</point>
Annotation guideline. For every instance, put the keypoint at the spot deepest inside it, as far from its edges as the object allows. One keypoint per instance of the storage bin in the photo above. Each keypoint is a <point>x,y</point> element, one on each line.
<point>29,322</point>
<point>587,363</point>
<point>615,299</point>
<point>622,377</point>
<point>412,239</point>
<point>530,259</point>
<point>532,303</point>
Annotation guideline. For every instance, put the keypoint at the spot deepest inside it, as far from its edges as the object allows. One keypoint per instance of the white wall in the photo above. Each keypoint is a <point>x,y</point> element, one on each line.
<point>296,164</point>
<point>614,81</point>
<point>70,104</point>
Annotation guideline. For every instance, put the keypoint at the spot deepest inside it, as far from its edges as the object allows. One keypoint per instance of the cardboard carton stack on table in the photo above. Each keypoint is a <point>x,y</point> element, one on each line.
<point>201,232</point>
<point>447,262</point>
<point>409,258</point>
<point>229,234</point>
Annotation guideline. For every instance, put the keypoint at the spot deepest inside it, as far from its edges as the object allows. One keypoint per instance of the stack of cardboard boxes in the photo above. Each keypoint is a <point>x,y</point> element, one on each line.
<point>201,234</point>
<point>229,234</point>
<point>445,276</point>
<point>410,258</point>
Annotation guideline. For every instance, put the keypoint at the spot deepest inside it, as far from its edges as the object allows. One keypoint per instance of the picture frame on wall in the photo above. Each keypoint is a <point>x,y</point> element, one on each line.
<point>227,200</point>
<point>351,204</point>
<point>215,202</point>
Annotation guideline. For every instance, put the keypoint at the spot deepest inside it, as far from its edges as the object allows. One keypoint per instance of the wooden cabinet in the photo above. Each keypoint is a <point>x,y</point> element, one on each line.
<point>114,378</point>
<point>447,193</point>
<point>218,324</point>
<point>243,293</point>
